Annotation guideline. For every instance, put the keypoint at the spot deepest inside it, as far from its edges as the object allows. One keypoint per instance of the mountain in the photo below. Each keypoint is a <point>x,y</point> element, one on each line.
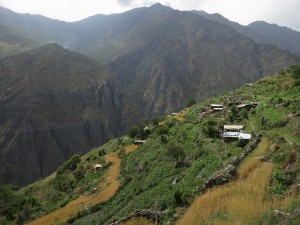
<point>158,58</point>
<point>185,56</point>
<point>282,37</point>
<point>261,32</point>
<point>53,103</point>
<point>177,176</point>
<point>244,30</point>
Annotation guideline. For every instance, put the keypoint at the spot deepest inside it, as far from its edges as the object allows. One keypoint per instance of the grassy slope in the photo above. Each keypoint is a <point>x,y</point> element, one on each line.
<point>185,150</point>
<point>153,187</point>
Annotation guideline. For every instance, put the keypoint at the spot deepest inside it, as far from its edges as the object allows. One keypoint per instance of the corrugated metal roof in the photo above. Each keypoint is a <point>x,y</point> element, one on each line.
<point>233,127</point>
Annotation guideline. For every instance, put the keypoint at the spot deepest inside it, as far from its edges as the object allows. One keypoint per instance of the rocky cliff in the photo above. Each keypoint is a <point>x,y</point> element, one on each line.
<point>54,103</point>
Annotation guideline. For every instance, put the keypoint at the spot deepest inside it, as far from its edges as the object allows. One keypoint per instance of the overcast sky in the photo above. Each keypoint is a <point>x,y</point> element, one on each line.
<point>281,12</point>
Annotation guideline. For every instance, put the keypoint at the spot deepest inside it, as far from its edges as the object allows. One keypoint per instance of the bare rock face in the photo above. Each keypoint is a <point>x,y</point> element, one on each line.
<point>54,103</point>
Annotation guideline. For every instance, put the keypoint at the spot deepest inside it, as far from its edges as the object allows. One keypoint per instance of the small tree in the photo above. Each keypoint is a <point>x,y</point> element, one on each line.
<point>133,131</point>
<point>191,102</point>
<point>175,150</point>
<point>155,121</point>
<point>162,130</point>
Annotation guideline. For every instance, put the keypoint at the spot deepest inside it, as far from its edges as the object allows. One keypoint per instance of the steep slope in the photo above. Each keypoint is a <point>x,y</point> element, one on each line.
<point>53,103</point>
<point>185,56</point>
<point>244,30</point>
<point>261,32</point>
<point>166,172</point>
<point>22,32</point>
<point>183,158</point>
<point>283,37</point>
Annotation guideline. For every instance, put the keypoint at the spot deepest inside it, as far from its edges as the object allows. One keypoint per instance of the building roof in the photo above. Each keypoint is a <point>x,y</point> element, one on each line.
<point>239,135</point>
<point>233,127</point>
<point>216,105</point>
<point>97,166</point>
<point>245,136</point>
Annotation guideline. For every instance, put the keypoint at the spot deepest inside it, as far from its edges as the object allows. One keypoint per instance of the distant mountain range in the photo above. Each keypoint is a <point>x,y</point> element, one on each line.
<point>156,59</point>
<point>262,32</point>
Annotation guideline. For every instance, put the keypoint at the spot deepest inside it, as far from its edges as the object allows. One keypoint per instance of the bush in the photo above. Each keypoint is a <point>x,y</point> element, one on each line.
<point>175,150</point>
<point>210,129</point>
<point>79,173</point>
<point>133,131</point>
<point>191,102</point>
<point>155,121</point>
<point>70,164</point>
<point>241,143</point>
<point>162,130</point>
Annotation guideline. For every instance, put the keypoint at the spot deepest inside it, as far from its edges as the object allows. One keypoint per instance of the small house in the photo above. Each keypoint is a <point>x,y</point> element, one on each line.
<point>97,166</point>
<point>234,132</point>
<point>249,84</point>
<point>139,142</point>
<point>246,106</point>
<point>233,127</point>
<point>216,107</point>
<point>173,114</point>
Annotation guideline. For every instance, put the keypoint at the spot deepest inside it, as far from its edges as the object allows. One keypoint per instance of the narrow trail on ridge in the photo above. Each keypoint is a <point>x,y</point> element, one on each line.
<point>106,190</point>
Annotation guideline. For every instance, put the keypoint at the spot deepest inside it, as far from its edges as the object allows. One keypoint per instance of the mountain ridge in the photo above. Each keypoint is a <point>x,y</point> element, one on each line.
<point>57,103</point>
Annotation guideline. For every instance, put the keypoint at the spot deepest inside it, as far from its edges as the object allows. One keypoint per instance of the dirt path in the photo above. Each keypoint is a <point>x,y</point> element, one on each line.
<point>105,191</point>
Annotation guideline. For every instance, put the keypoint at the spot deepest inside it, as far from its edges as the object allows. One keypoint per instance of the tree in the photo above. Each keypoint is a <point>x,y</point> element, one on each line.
<point>155,121</point>
<point>175,150</point>
<point>162,130</point>
<point>133,131</point>
<point>210,129</point>
<point>191,102</point>
<point>295,71</point>
<point>71,164</point>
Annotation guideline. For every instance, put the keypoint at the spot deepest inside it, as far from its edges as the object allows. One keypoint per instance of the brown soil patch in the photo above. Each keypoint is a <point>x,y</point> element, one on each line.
<point>105,191</point>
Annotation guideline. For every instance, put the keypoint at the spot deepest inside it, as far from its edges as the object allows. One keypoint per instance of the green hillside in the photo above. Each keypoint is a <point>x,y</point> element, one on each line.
<point>181,154</point>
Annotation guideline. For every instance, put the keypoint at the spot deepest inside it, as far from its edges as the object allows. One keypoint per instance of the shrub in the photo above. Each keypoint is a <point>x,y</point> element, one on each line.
<point>191,102</point>
<point>175,150</point>
<point>133,131</point>
<point>162,130</point>
<point>101,152</point>
<point>155,121</point>
<point>70,164</point>
<point>210,129</point>
<point>79,173</point>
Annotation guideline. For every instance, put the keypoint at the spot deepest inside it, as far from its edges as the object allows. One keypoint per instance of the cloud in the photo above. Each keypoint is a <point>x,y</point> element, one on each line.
<point>125,2</point>
<point>140,3</point>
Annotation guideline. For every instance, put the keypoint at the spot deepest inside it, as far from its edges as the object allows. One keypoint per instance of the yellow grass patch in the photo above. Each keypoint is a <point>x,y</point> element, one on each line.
<point>180,115</point>
<point>239,202</point>
<point>138,221</point>
<point>105,191</point>
<point>131,148</point>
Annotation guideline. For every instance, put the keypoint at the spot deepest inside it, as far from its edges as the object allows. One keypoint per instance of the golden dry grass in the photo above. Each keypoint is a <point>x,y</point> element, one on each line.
<point>105,191</point>
<point>138,221</point>
<point>131,148</point>
<point>239,202</point>
<point>179,116</point>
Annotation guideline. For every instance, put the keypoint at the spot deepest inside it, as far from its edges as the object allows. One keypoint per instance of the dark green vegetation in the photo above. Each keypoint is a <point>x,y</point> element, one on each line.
<point>53,103</point>
<point>164,174</point>
<point>180,155</point>
<point>75,177</point>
